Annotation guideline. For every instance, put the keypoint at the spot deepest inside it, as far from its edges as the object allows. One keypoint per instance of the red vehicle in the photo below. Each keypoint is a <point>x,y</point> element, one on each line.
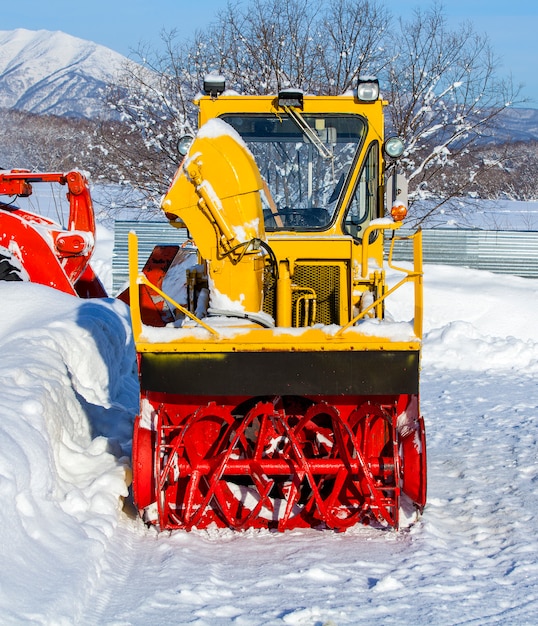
<point>35,248</point>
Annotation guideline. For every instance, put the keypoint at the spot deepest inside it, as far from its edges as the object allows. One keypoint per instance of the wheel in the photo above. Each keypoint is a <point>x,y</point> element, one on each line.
<point>10,267</point>
<point>143,465</point>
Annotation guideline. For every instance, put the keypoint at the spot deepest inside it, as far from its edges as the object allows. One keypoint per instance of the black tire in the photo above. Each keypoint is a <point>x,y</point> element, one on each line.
<point>8,270</point>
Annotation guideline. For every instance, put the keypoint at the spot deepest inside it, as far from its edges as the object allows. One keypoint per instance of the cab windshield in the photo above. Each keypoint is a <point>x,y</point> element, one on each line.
<point>305,159</point>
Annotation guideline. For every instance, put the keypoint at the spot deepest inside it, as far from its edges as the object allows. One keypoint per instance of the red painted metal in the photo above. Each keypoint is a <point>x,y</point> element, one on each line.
<point>278,463</point>
<point>153,308</point>
<point>50,254</point>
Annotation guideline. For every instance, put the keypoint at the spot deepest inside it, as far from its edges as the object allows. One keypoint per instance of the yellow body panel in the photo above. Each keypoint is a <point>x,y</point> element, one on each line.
<point>220,195</point>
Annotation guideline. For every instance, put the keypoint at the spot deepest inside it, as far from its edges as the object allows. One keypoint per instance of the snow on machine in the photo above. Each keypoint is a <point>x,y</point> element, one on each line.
<point>35,248</point>
<point>275,391</point>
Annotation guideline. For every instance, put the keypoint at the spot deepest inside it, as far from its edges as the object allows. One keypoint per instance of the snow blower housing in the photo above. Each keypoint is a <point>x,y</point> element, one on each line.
<point>274,392</point>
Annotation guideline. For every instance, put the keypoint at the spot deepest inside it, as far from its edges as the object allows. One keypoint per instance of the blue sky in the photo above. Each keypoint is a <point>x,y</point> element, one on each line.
<point>122,25</point>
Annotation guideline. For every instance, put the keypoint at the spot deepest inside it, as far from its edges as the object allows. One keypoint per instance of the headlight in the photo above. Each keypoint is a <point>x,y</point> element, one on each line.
<point>290,98</point>
<point>368,89</point>
<point>394,147</point>
<point>184,144</point>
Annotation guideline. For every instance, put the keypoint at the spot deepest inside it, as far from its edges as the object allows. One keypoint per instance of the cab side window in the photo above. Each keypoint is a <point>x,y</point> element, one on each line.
<point>363,205</point>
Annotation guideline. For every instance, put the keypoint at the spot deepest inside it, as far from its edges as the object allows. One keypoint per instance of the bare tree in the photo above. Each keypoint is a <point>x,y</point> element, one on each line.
<point>260,47</point>
<point>442,84</point>
<point>355,32</point>
<point>153,103</point>
<point>444,96</point>
<point>268,45</point>
<point>47,142</point>
<point>508,171</point>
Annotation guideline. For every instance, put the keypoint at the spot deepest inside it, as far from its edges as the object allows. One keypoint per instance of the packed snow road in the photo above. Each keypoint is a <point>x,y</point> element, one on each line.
<point>71,555</point>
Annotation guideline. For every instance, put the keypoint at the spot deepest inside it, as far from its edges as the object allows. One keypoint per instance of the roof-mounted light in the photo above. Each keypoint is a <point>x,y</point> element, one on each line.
<point>290,98</point>
<point>368,89</point>
<point>214,85</point>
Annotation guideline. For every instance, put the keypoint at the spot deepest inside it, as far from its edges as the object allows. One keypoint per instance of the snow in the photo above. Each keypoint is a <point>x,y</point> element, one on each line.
<point>219,128</point>
<point>73,551</point>
<point>52,72</point>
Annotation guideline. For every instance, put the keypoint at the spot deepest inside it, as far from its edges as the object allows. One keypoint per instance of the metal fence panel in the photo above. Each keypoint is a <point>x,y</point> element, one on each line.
<point>499,251</point>
<point>149,235</point>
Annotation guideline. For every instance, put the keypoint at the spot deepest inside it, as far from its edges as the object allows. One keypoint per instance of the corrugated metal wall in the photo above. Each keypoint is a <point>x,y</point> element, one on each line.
<point>149,235</point>
<point>500,251</point>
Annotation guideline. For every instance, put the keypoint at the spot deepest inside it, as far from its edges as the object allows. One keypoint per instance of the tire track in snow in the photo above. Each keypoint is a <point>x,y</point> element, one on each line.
<point>116,573</point>
<point>483,505</point>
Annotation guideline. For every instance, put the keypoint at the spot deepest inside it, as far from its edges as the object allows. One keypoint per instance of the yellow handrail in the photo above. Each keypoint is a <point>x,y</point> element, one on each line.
<point>414,275</point>
<point>366,241</point>
<point>134,295</point>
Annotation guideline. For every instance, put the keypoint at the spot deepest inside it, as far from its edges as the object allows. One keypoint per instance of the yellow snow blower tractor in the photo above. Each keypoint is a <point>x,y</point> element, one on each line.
<point>276,392</point>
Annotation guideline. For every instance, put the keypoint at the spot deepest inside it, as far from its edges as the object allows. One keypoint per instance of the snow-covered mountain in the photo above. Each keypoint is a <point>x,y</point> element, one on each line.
<point>54,73</point>
<point>517,124</point>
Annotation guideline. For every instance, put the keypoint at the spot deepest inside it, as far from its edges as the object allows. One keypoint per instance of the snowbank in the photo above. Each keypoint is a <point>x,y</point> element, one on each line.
<point>65,417</point>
